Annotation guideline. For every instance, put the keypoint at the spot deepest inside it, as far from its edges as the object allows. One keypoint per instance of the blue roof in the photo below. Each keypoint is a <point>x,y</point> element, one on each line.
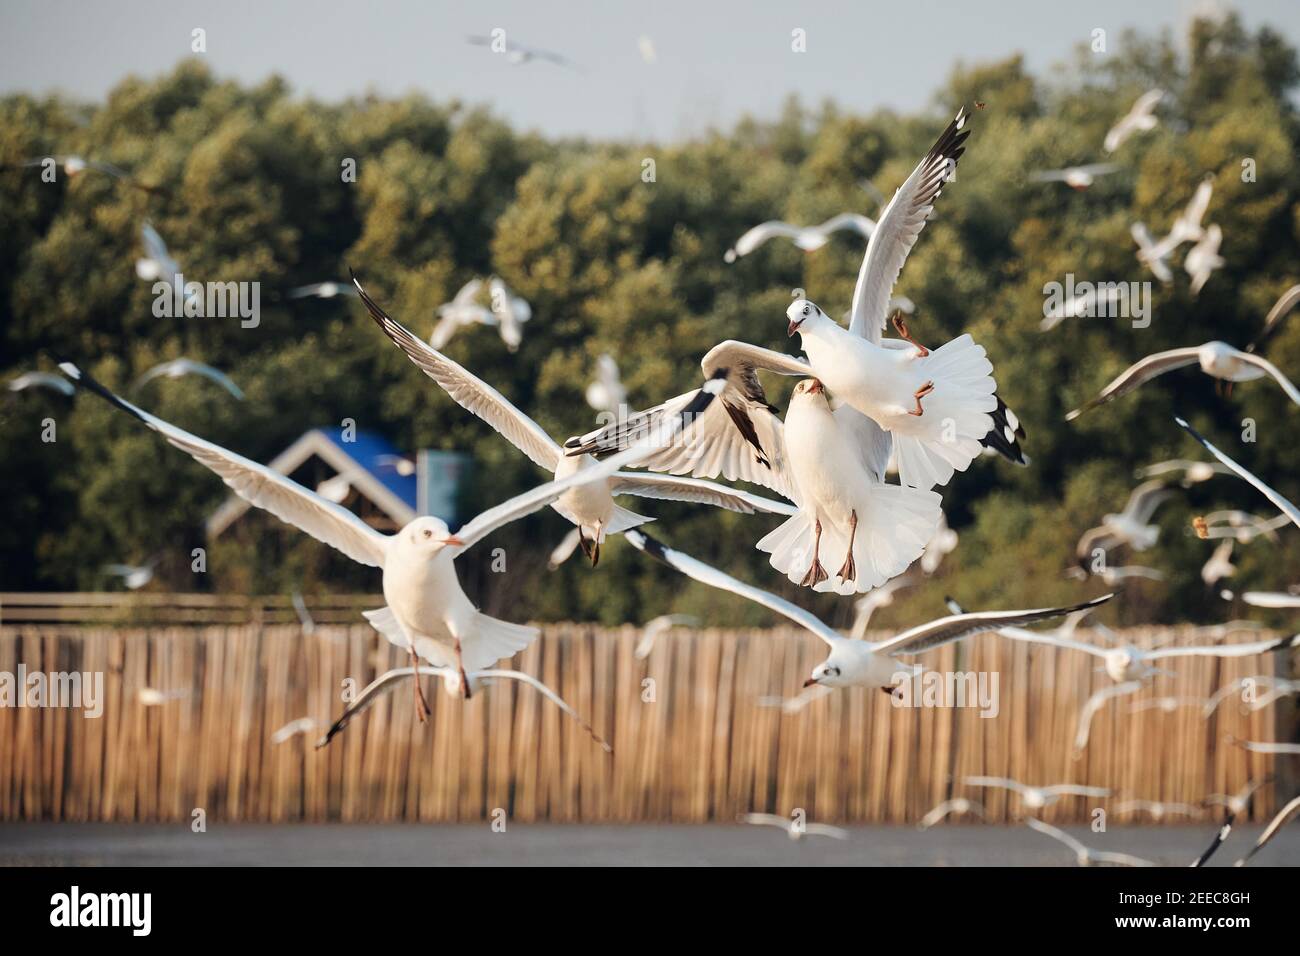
<point>370,452</point>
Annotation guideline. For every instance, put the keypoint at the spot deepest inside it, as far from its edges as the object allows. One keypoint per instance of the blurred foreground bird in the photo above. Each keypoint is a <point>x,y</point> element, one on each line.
<point>1140,118</point>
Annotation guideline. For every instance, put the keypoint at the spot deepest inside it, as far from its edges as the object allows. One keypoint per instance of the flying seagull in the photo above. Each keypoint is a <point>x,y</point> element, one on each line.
<point>853,663</point>
<point>1273,321</point>
<point>463,310</point>
<point>592,506</point>
<point>1076,177</point>
<point>1085,856</point>
<point>427,612</point>
<point>807,238</point>
<point>1140,118</point>
<point>518,54</point>
<point>1131,527</point>
<point>1282,504</point>
<point>948,808</point>
<point>1203,258</point>
<point>178,368</point>
<point>73,165</point>
<point>1276,824</point>
<point>1216,359</point>
<point>1035,798</point>
<point>48,380</point>
<point>322,290</point>
<point>795,827</point>
<point>511,312</point>
<point>606,392</point>
<point>656,628</point>
<point>1153,255</point>
<point>453,683</point>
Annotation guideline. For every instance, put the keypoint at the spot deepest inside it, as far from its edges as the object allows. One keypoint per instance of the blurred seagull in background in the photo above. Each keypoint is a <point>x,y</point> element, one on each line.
<point>1035,798</point>
<point>1240,526</point>
<point>1273,599</point>
<point>957,805</point>
<point>302,725</point>
<point>517,53</point>
<point>657,627</point>
<point>1076,177</point>
<point>157,262</point>
<point>795,827</point>
<point>1281,503</point>
<point>1194,472</point>
<point>323,290</point>
<point>1220,565</point>
<point>1203,258</point>
<point>178,368</point>
<point>150,697</point>
<point>511,312</point>
<point>47,380</point>
<point>941,544</point>
<point>807,238</point>
<point>1216,359</point>
<point>1265,746</point>
<point>74,165</point>
<point>1151,254</point>
<point>461,311</point>
<point>1140,118</point>
<point>1273,321</point>
<point>1112,575</point>
<point>457,685</point>
<point>1187,226</point>
<point>606,392</point>
<point>1275,825</point>
<point>1157,810</point>
<point>1132,527</point>
<point>1084,856</point>
<point>1236,803</point>
<point>134,576</point>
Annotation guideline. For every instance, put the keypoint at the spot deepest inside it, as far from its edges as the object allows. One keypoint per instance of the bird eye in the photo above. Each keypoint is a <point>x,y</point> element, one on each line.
<point>805,310</point>
<point>428,533</point>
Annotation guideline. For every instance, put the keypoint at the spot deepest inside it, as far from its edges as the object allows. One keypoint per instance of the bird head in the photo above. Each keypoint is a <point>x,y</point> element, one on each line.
<point>823,673</point>
<point>810,389</point>
<point>428,535</point>
<point>800,311</point>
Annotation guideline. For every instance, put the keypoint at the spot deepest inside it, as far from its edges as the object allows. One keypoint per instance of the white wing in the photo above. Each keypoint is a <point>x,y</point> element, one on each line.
<point>755,237</point>
<point>673,488</point>
<point>954,627</point>
<point>1139,373</point>
<point>1282,504</point>
<point>1059,835</point>
<point>550,695</point>
<point>714,578</point>
<point>1094,704</point>
<point>898,228</point>
<point>468,390</point>
<point>262,487</point>
<point>1259,362</point>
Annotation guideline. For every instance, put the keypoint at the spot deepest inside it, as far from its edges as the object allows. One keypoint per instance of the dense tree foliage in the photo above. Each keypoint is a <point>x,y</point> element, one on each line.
<point>250,188</point>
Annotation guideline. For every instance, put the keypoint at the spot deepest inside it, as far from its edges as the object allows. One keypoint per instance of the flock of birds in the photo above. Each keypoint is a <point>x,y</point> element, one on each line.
<point>865,406</point>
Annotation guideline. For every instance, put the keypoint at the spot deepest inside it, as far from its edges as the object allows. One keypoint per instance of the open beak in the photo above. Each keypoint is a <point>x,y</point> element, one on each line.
<point>815,387</point>
<point>794,327</point>
<point>810,681</point>
<point>453,540</point>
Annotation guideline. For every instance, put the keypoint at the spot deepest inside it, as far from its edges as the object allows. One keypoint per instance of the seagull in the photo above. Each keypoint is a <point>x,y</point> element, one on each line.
<point>151,697</point>
<point>1282,504</point>
<point>511,312</point>
<point>941,544</point>
<point>1151,254</point>
<point>1216,359</point>
<point>41,380</point>
<point>74,165</point>
<point>427,612</point>
<point>404,466</point>
<point>1140,118</point>
<point>659,626</point>
<point>882,596</point>
<point>518,54</point>
<point>1273,321</point>
<point>304,616</point>
<point>177,368</point>
<point>455,684</point>
<point>134,576</point>
<point>1035,798</point>
<point>807,238</point>
<point>461,311</point>
<point>1274,688</point>
<point>1277,823</point>
<point>1165,705</point>
<point>1241,526</point>
<point>949,807</point>
<point>1076,177</point>
<point>1187,227</point>
<point>1220,565</point>
<point>1265,746</point>
<point>795,826</point>
<point>1157,810</point>
<point>322,290</point>
<point>157,262</point>
<point>336,489</point>
<point>1090,302</point>
<point>1093,705</point>
<point>1112,575</point>
<point>606,392</point>
<point>888,382</point>
<point>853,663</point>
<point>1239,802</point>
<point>793,705</point>
<point>1203,258</point>
<point>1131,527</point>
<point>1194,472</point>
<point>590,507</point>
<point>1273,599</point>
<point>564,550</point>
<point>302,725</point>
<point>1083,855</point>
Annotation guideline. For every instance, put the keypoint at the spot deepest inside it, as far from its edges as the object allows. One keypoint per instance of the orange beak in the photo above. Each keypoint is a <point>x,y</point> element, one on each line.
<point>810,681</point>
<point>453,540</point>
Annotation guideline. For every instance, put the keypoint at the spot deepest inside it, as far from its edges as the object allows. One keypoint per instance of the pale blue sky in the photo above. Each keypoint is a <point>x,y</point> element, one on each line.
<point>716,59</point>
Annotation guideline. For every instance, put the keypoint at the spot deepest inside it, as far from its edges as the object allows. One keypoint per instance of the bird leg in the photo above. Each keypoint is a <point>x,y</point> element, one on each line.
<point>464,678</point>
<point>921,392</point>
<point>422,708</point>
<point>900,326</point>
<point>849,570</point>
<point>816,573</point>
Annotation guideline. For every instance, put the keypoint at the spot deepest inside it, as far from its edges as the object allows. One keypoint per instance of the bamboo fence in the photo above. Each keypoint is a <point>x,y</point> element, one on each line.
<point>692,743</point>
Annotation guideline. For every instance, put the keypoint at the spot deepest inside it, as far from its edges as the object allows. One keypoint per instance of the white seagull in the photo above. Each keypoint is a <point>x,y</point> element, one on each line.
<point>300,725</point>
<point>1153,255</point>
<point>1132,527</point>
<point>795,827</point>
<point>1203,258</point>
<point>48,380</point>
<point>807,238</point>
<point>1035,798</point>
<point>1240,526</point>
<point>1140,118</point>
<point>1265,746</point>
<point>463,310</point>
<point>179,368</point>
<point>656,628</point>
<point>854,663</point>
<point>511,312</point>
<point>888,382</point>
<point>1273,321</point>
<point>1085,856</point>
<point>1279,502</point>
<point>322,290</point>
<point>1219,565</point>
<point>518,54</point>
<point>1273,599</point>
<point>1216,359</point>
<point>73,165</point>
<point>1076,177</point>
<point>457,685</point>
<point>948,808</point>
<point>940,545</point>
<point>157,262</point>
<point>1194,472</point>
<point>152,697</point>
<point>1156,809</point>
<point>1239,802</point>
<point>606,392</point>
<point>1187,227</point>
<point>590,507</point>
<point>427,613</point>
<point>134,576</point>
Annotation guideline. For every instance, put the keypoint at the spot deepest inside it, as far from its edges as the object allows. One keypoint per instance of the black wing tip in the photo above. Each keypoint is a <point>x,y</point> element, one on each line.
<point>80,378</point>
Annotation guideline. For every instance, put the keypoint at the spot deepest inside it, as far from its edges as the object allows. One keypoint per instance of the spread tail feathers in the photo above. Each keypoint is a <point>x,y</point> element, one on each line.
<point>1004,437</point>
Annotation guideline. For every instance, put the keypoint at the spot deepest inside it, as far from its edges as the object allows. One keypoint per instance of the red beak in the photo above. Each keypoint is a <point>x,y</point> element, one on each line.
<point>453,540</point>
<point>810,681</point>
<point>794,327</point>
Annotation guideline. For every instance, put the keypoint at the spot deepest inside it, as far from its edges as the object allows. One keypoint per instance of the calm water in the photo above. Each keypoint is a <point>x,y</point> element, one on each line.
<point>475,844</point>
